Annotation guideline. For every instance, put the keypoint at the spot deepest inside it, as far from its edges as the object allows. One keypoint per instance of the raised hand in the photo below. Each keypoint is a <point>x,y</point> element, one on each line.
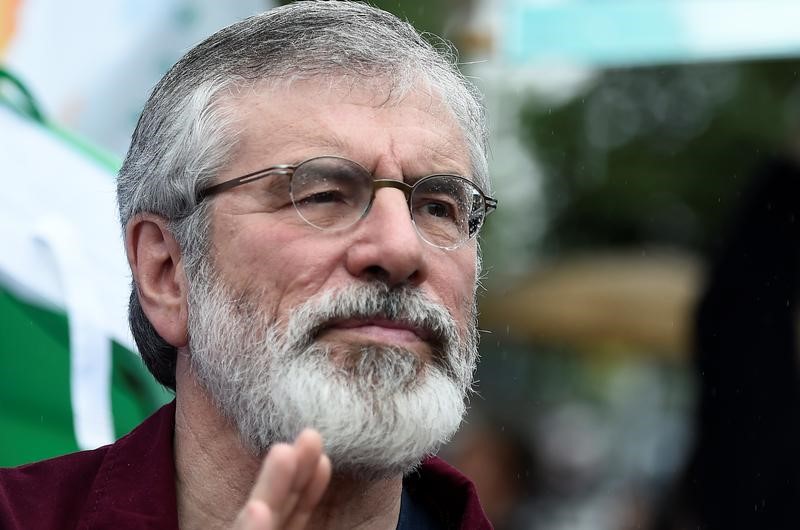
<point>289,486</point>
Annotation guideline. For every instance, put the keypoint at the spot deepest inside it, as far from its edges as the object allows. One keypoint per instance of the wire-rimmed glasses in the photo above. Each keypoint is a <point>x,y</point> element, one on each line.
<point>333,193</point>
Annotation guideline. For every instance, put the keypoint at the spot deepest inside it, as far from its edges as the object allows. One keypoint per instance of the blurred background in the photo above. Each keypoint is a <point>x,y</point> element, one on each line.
<point>639,306</point>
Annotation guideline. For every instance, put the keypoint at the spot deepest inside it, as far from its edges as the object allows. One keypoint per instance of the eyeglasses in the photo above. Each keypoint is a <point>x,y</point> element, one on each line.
<point>333,193</point>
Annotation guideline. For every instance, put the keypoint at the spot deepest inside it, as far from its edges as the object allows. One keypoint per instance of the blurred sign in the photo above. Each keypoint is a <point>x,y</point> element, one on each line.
<point>624,32</point>
<point>91,64</point>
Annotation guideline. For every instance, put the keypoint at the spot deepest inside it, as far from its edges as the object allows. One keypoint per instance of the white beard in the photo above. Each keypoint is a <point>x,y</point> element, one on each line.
<point>379,409</point>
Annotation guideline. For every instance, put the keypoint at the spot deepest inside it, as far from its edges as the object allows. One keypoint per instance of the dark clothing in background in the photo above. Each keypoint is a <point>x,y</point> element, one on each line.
<point>745,472</point>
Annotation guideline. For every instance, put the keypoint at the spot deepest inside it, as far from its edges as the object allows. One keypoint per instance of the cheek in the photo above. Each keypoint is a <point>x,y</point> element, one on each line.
<point>455,285</point>
<point>279,268</point>
<point>298,275</point>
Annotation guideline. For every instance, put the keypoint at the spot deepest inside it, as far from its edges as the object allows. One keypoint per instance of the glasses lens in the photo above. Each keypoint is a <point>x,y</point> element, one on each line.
<point>331,193</point>
<point>447,210</point>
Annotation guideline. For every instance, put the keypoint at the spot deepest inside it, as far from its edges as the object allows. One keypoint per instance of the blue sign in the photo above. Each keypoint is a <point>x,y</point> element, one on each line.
<point>624,32</point>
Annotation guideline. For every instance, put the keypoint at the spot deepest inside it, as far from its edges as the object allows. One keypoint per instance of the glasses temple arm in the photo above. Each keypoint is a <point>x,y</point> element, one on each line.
<point>244,179</point>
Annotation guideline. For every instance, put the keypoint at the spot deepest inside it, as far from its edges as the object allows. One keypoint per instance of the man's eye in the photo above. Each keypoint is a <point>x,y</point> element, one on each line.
<point>439,209</point>
<point>321,197</point>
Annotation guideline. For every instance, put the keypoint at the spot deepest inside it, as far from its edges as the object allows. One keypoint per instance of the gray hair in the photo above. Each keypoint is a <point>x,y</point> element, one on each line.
<point>187,131</point>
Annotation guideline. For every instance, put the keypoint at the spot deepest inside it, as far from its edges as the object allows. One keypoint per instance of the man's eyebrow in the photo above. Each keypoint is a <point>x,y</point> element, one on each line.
<point>441,163</point>
<point>412,179</point>
<point>330,140</point>
<point>439,159</point>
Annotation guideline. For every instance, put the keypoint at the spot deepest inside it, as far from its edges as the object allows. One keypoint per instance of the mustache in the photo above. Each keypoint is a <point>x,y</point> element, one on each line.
<point>404,304</point>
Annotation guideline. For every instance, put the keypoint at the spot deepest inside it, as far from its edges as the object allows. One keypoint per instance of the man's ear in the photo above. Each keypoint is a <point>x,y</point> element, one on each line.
<point>155,260</point>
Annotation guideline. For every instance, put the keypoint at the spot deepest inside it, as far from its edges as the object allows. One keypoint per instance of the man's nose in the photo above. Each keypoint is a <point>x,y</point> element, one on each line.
<point>387,247</point>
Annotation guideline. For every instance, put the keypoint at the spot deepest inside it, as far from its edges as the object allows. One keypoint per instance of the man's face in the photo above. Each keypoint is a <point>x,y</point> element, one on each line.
<point>258,247</point>
<point>370,322</point>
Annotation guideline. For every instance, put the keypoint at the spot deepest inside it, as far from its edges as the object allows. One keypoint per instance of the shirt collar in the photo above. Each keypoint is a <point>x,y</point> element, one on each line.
<point>135,486</point>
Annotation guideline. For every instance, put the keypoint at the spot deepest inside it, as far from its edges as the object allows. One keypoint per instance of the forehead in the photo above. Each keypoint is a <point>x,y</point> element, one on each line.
<point>368,122</point>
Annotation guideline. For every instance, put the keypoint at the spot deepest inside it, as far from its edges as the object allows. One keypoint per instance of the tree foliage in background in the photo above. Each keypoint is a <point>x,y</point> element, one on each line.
<point>658,155</point>
<point>429,16</point>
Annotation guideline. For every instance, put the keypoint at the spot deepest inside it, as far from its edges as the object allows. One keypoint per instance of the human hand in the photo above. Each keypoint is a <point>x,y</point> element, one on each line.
<point>289,486</point>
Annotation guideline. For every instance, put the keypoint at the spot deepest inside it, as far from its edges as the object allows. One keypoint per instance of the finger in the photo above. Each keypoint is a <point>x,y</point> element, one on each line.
<point>255,515</point>
<point>288,474</point>
<point>308,450</point>
<point>311,495</point>
<point>308,445</point>
<point>276,478</point>
<point>316,487</point>
<point>285,473</point>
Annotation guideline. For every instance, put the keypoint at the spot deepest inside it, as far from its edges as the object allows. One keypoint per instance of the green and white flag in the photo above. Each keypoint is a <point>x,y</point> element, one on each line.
<point>70,379</point>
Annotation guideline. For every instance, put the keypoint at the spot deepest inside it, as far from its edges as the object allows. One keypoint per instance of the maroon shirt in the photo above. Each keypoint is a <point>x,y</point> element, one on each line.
<point>131,484</point>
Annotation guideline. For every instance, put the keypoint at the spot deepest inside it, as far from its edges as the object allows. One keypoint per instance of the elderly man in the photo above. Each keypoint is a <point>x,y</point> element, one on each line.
<point>300,203</point>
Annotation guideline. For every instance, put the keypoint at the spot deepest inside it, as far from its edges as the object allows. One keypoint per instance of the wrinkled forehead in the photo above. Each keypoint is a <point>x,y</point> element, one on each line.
<point>377,92</point>
<point>316,111</point>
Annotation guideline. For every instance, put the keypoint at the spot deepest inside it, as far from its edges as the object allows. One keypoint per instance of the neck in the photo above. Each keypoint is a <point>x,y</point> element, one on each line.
<point>215,473</point>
